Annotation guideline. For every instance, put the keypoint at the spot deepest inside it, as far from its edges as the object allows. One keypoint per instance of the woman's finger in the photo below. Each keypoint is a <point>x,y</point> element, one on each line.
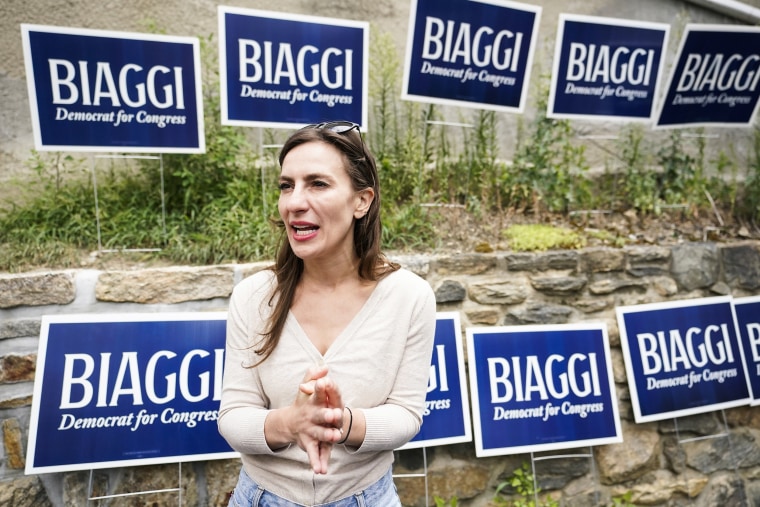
<point>307,388</point>
<point>313,452</point>
<point>324,456</point>
<point>315,372</point>
<point>334,398</point>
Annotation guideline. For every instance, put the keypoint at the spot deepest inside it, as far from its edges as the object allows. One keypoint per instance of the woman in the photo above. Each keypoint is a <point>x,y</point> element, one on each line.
<point>328,352</point>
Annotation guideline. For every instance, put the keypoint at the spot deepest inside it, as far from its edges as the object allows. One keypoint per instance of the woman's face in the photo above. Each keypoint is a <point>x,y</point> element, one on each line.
<point>318,203</point>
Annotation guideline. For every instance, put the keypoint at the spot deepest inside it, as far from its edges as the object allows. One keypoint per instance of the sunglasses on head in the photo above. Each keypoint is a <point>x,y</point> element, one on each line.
<point>339,127</point>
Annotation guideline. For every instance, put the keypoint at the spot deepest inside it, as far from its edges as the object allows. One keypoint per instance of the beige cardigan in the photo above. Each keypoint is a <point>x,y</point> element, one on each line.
<point>381,363</point>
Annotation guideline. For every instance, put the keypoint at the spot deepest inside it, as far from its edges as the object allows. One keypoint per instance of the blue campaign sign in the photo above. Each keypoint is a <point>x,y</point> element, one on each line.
<point>127,389</point>
<point>283,70</point>
<point>103,91</point>
<point>447,405</point>
<point>471,53</point>
<point>541,388</point>
<point>606,69</point>
<point>748,320</point>
<point>682,357</point>
<point>714,81</point>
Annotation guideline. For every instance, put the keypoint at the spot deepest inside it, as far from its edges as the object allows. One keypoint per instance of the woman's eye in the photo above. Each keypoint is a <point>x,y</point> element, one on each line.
<point>284,186</point>
<point>318,183</point>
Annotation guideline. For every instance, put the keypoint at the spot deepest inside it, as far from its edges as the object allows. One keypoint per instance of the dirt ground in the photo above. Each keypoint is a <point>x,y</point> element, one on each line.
<point>463,232</point>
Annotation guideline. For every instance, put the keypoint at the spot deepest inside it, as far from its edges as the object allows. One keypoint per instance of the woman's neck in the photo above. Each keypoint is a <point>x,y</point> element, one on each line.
<point>330,273</point>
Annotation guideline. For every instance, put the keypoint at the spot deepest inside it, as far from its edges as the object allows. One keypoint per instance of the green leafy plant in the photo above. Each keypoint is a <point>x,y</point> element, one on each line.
<point>623,500</point>
<point>682,179</point>
<point>399,133</point>
<point>522,484</point>
<point>407,228</point>
<point>549,165</point>
<point>540,237</point>
<point>441,502</point>
<point>749,205</point>
<point>639,188</point>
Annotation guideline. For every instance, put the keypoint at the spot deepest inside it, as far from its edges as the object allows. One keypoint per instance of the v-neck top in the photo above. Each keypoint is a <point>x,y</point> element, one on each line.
<point>351,328</point>
<point>380,362</point>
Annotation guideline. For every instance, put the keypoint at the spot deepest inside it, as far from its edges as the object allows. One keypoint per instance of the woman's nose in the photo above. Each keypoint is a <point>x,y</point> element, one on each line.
<point>296,199</point>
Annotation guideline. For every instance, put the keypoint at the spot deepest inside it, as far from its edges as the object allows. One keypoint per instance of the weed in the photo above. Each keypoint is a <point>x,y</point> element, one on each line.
<point>682,178</point>
<point>749,206</point>
<point>539,237</point>
<point>441,502</point>
<point>549,166</point>
<point>623,500</point>
<point>640,182</point>
<point>523,485</point>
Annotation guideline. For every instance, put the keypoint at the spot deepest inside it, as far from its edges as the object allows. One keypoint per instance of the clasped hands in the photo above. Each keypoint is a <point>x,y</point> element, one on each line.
<point>318,410</point>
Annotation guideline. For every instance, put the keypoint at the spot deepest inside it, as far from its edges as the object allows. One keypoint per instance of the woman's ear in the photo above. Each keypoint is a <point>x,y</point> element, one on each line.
<point>364,201</point>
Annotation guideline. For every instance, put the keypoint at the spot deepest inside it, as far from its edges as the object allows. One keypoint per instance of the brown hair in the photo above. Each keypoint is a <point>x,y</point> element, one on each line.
<point>373,265</point>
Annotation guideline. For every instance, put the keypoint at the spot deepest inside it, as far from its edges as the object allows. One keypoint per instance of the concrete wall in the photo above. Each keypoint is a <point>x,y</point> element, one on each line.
<point>199,18</point>
<point>486,289</point>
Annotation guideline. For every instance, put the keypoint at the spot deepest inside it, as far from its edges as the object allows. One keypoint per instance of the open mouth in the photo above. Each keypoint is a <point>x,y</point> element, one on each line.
<point>304,230</point>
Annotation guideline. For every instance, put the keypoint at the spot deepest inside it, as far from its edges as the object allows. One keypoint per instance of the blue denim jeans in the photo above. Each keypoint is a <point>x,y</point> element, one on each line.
<point>380,494</point>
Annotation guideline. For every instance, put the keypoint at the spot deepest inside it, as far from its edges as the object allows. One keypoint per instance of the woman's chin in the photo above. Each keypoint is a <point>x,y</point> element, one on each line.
<point>301,250</point>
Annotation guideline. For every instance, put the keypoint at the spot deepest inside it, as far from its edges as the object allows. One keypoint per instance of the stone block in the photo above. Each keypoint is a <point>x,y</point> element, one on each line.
<point>221,477</point>
<point>739,449</point>
<point>559,285</point>
<point>16,368</point>
<point>607,285</point>
<point>165,285</point>
<point>665,286</point>
<point>14,449</point>
<point>648,255</point>
<point>658,487</point>
<point>450,291</point>
<point>465,264</point>
<point>483,317</point>
<point>591,305</point>
<point>741,265</point>
<point>695,265</point>
<point>37,289</point>
<point>538,313</point>
<point>19,328</point>
<point>602,260</point>
<point>461,479</point>
<point>27,491</point>
<point>542,261</point>
<point>644,271</point>
<point>417,264</point>
<point>637,455</point>
<point>499,292</point>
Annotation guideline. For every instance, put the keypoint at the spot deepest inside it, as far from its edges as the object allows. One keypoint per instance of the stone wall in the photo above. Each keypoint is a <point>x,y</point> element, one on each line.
<point>486,289</point>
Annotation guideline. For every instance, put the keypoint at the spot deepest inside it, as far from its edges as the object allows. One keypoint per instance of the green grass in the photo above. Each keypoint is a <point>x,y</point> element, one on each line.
<point>220,219</point>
